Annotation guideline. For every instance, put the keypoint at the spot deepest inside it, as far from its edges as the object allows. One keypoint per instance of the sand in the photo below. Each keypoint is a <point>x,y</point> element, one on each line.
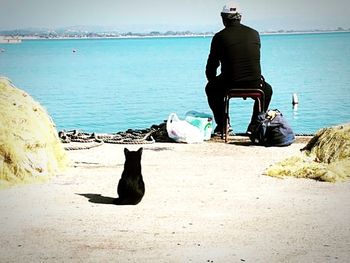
<point>208,202</point>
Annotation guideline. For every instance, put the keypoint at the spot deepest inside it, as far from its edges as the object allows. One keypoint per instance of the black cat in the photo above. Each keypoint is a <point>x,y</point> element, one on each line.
<point>131,187</point>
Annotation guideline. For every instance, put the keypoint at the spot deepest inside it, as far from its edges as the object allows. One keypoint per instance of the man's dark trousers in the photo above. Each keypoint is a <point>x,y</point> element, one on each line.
<point>217,88</point>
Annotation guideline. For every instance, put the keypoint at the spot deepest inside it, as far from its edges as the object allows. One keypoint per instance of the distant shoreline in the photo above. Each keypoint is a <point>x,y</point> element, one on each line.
<point>141,36</point>
<point>115,37</point>
<point>305,32</point>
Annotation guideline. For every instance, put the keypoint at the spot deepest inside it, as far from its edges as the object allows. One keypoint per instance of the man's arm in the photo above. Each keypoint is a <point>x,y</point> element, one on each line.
<point>213,60</point>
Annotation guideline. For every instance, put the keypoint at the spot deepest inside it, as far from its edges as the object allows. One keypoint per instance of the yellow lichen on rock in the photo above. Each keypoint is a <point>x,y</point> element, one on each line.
<point>326,157</point>
<point>30,149</point>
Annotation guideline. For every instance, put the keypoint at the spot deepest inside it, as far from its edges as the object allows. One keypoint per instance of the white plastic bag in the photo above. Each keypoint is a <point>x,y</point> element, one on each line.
<point>182,131</point>
<point>203,121</point>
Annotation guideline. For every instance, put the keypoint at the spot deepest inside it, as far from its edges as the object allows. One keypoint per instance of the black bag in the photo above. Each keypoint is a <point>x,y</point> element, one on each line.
<point>271,129</point>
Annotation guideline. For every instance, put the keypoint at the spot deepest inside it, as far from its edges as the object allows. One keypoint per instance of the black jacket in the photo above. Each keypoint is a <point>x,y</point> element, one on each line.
<point>237,49</point>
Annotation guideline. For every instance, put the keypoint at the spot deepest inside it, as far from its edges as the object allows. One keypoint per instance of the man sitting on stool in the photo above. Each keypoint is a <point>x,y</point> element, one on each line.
<point>237,49</point>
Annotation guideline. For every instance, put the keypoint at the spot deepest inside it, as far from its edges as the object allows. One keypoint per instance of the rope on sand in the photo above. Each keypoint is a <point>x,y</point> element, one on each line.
<point>85,147</point>
<point>156,133</point>
<point>146,136</point>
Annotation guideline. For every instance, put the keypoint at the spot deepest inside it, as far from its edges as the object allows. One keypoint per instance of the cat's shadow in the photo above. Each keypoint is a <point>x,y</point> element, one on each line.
<point>99,199</point>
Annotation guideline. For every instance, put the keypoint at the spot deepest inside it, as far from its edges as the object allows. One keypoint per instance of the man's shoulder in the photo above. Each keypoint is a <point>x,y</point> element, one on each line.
<point>221,34</point>
<point>237,27</point>
<point>249,28</point>
<point>217,34</point>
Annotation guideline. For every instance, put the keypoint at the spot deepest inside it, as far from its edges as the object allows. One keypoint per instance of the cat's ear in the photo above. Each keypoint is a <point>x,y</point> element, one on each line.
<point>140,150</point>
<point>126,151</point>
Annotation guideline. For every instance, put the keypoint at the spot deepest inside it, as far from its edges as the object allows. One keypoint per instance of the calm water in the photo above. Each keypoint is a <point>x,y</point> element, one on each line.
<point>111,85</point>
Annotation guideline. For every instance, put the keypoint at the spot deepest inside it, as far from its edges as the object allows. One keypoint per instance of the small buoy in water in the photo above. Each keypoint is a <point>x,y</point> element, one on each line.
<point>295,108</point>
<point>74,50</point>
<point>295,99</point>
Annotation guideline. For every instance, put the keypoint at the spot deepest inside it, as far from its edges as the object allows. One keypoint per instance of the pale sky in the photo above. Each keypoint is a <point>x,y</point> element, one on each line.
<point>162,15</point>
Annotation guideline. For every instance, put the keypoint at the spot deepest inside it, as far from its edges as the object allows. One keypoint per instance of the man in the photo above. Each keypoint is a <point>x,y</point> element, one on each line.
<point>237,49</point>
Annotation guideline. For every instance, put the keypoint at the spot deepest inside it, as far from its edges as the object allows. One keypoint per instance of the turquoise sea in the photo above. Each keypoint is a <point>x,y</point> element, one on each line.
<point>110,85</point>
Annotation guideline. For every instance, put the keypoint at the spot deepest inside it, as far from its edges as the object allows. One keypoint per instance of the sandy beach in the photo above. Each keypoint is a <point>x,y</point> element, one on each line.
<point>208,202</point>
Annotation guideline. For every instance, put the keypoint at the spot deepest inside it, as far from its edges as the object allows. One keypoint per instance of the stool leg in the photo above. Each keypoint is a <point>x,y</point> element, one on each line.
<point>263,103</point>
<point>260,106</point>
<point>226,117</point>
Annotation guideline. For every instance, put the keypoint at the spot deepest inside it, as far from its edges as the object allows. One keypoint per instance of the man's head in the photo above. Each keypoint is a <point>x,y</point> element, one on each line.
<point>231,13</point>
